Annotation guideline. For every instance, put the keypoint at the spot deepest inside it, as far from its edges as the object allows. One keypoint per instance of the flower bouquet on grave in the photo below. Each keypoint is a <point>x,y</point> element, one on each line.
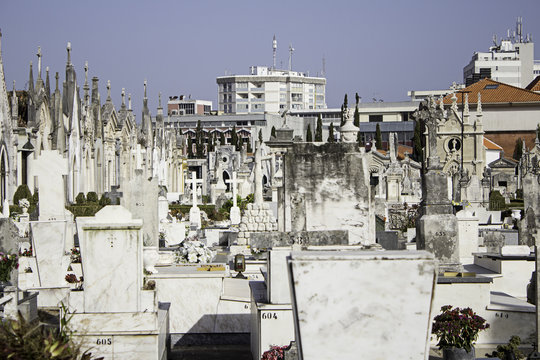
<point>75,256</point>
<point>24,204</point>
<point>193,251</point>
<point>72,279</point>
<point>8,262</point>
<point>275,353</point>
<point>457,330</point>
<point>27,252</point>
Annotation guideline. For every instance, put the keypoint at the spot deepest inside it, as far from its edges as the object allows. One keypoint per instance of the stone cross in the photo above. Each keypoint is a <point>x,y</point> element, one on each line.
<point>233,183</point>
<point>114,195</point>
<point>235,211</point>
<point>194,181</point>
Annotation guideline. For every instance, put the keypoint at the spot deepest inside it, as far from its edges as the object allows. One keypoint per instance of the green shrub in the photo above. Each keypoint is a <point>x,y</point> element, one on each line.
<point>80,199</point>
<point>92,197</point>
<point>104,201</point>
<point>22,192</point>
<point>22,340</point>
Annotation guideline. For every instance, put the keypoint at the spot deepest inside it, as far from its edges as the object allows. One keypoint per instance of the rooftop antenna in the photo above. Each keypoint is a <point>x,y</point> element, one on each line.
<point>519,28</point>
<point>291,50</point>
<point>274,49</point>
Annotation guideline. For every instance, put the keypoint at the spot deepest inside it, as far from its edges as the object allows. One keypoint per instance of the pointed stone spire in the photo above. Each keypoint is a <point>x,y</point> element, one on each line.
<point>31,80</point>
<point>86,87</point>
<point>39,61</point>
<point>14,107</point>
<point>109,90</point>
<point>47,83</point>
<point>68,48</point>
<point>160,108</point>
<point>123,98</point>
<point>95,91</point>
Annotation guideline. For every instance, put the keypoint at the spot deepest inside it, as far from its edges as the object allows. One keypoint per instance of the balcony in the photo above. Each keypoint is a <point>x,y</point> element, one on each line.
<point>257,89</point>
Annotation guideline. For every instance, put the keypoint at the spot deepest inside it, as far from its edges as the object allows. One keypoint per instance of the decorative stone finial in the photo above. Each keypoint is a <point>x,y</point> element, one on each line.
<point>86,72</point>
<point>145,88</point>
<point>123,96</point>
<point>57,77</point>
<point>39,60</point>
<point>441,102</point>
<point>159,99</point>
<point>454,101</point>
<point>479,106</point>
<point>14,86</point>
<point>68,48</point>
<point>129,101</point>
<point>108,89</point>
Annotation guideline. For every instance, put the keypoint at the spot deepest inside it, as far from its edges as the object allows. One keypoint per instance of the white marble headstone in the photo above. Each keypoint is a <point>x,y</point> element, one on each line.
<point>111,251</point>
<point>362,304</point>
<point>49,168</point>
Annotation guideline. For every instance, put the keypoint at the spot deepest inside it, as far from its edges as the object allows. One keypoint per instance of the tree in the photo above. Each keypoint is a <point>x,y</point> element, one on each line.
<point>359,139</point>
<point>222,138</point>
<point>249,148</point>
<point>518,149</point>
<point>199,142</point>
<point>234,136</point>
<point>318,129</point>
<point>309,135</point>
<point>378,137</point>
<point>273,132</point>
<point>343,109</point>
<point>357,99</point>
<point>260,136</point>
<point>418,150</point>
<point>211,146</point>
<point>331,133</point>
<point>190,148</point>
<point>356,116</point>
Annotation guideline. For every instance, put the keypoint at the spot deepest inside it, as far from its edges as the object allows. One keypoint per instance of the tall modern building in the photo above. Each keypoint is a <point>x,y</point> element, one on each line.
<point>510,61</point>
<point>268,90</point>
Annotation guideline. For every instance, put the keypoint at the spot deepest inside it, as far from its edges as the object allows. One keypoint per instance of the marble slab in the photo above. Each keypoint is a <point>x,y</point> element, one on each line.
<point>111,251</point>
<point>48,239</point>
<point>362,304</point>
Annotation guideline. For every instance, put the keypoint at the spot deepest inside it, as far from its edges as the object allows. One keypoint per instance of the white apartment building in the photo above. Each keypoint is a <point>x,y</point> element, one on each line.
<point>268,90</point>
<point>510,61</point>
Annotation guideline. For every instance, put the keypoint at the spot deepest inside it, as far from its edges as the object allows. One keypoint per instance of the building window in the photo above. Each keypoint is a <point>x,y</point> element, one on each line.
<point>375,118</point>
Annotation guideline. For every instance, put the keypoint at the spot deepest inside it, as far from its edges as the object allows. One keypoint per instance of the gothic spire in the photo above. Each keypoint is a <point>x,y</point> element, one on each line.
<point>47,83</point>
<point>68,48</point>
<point>31,80</point>
<point>86,87</point>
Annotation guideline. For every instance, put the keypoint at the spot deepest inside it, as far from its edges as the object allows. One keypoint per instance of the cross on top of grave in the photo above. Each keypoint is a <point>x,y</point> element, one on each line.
<point>194,181</point>
<point>233,183</point>
<point>114,195</point>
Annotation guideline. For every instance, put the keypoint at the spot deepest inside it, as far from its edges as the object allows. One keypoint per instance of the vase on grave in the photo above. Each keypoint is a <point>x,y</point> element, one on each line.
<point>454,353</point>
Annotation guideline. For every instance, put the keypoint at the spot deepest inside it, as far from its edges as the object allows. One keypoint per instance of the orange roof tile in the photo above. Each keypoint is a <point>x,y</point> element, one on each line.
<point>495,92</point>
<point>534,85</point>
<point>490,145</point>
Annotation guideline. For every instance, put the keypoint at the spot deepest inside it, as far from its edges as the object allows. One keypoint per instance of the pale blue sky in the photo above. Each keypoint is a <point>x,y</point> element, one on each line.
<point>379,49</point>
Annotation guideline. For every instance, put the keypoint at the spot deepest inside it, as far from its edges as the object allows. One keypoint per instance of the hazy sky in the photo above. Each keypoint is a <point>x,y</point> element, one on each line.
<point>380,49</point>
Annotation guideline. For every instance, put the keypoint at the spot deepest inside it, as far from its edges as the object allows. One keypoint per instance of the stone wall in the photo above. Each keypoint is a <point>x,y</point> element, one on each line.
<point>327,188</point>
